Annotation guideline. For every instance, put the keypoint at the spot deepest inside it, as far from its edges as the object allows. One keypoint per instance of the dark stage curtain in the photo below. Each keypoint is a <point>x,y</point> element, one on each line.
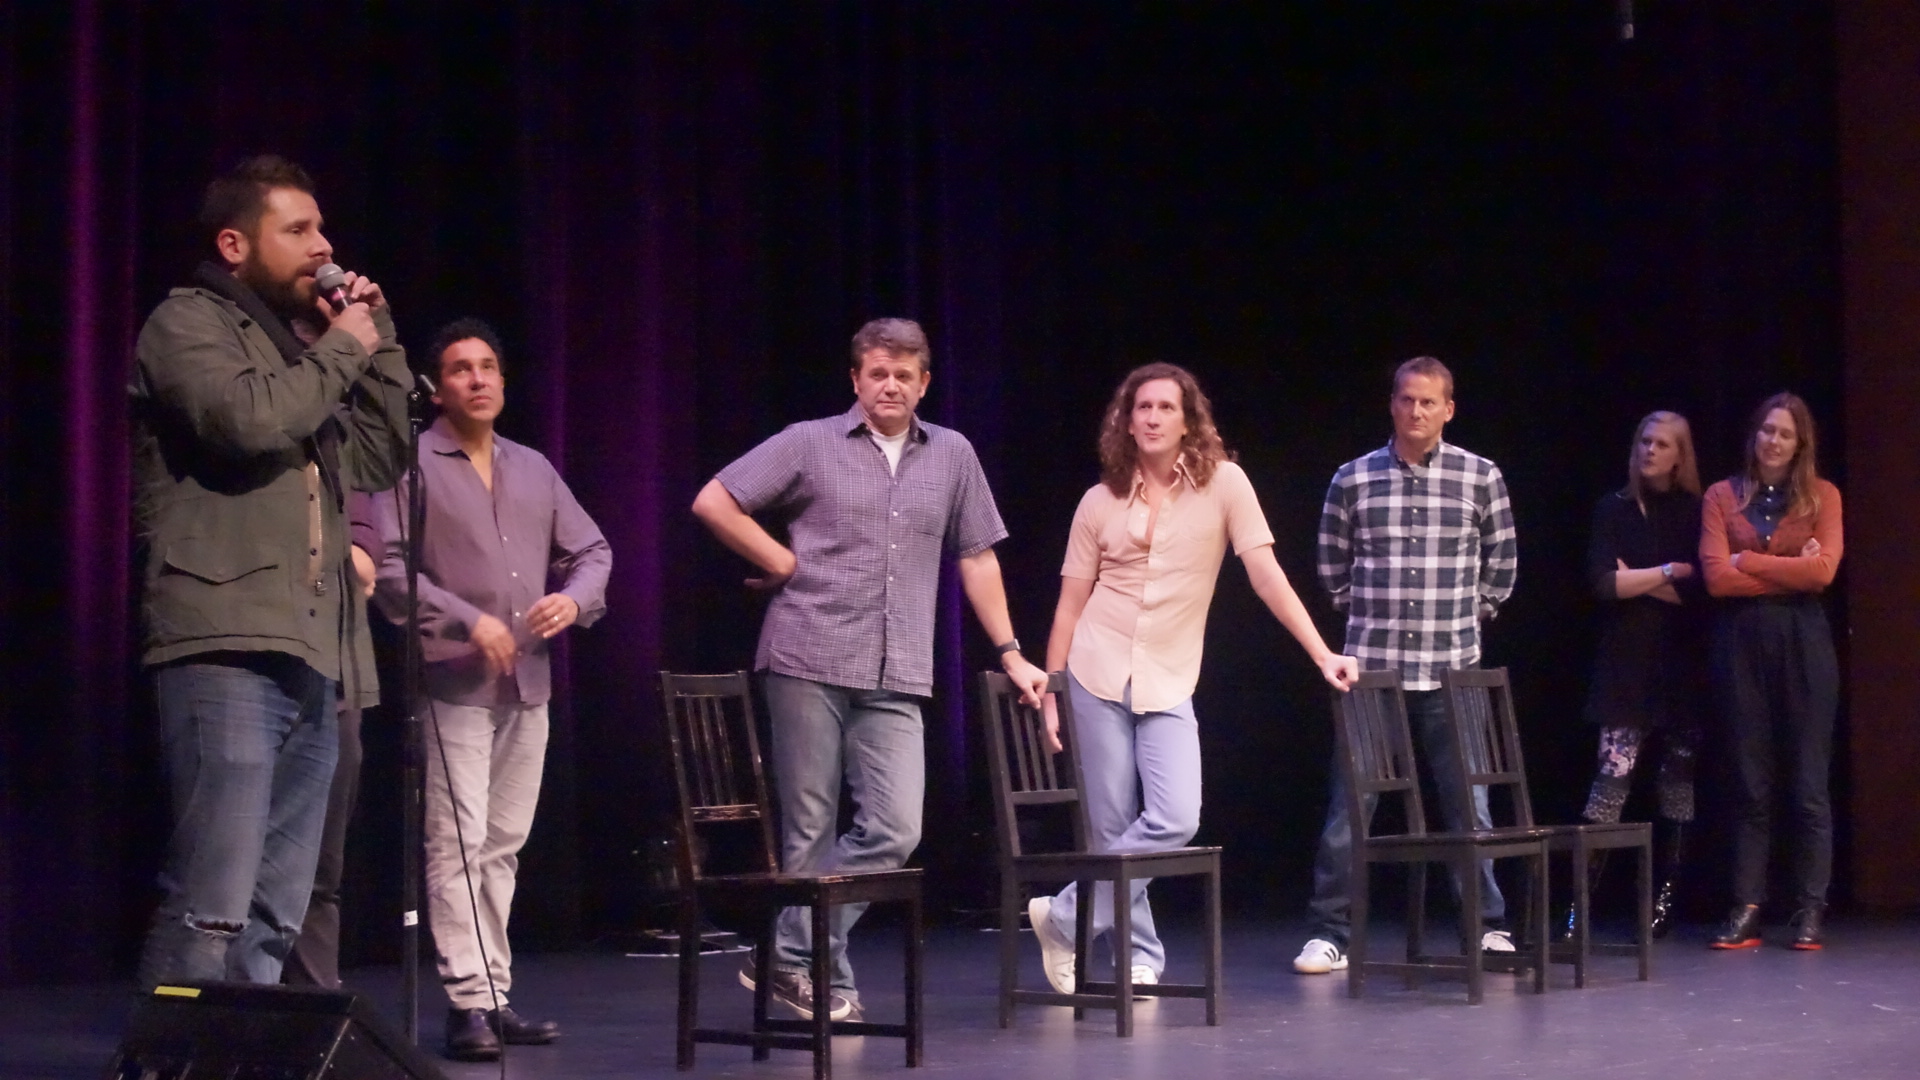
<point>678,213</point>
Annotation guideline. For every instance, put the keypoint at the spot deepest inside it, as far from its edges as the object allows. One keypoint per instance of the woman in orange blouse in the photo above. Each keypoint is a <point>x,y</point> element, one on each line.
<point>1770,542</point>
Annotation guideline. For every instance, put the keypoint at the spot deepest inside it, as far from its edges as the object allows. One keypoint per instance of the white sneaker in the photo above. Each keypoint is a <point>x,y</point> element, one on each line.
<point>1056,950</point>
<point>1496,941</point>
<point>1319,956</point>
<point>1144,976</point>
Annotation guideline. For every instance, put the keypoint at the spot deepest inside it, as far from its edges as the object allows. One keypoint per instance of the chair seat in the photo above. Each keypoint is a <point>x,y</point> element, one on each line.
<point>1073,865</point>
<point>1516,839</point>
<point>1600,836</point>
<point>802,889</point>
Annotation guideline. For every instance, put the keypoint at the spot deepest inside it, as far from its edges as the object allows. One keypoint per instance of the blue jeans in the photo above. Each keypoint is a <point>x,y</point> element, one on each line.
<point>875,739</point>
<point>248,741</point>
<point>1123,756</point>
<point>1333,867</point>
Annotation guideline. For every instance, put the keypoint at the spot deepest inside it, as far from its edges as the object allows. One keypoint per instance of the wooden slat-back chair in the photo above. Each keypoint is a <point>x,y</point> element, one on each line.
<point>717,769</point>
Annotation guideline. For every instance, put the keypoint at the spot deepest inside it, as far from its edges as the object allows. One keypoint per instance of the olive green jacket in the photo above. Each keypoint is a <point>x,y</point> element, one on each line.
<point>242,542</point>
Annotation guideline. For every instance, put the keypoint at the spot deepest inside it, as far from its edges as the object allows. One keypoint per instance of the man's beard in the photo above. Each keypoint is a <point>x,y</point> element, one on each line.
<point>282,296</point>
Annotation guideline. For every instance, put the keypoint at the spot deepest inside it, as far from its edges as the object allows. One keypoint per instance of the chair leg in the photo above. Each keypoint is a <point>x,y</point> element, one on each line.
<point>1468,870</point>
<point>1582,881</point>
<point>763,986</point>
<point>1009,945</point>
<point>1416,916</point>
<point>822,992</point>
<point>1645,930</point>
<point>689,1011</point>
<point>1357,880</point>
<point>1082,938</point>
<point>1542,948</point>
<point>916,966</point>
<point>1212,958</point>
<point>1122,935</point>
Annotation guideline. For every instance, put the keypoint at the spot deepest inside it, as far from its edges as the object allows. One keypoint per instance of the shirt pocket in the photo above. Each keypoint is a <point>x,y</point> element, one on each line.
<point>218,561</point>
<point>216,585</point>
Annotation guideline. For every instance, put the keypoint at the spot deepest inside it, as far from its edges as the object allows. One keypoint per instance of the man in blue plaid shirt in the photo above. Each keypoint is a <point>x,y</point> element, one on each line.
<point>1417,547</point>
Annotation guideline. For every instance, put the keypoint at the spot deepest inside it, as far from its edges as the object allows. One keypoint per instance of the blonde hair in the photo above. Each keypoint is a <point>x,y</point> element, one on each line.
<point>1686,471</point>
<point>1201,448</point>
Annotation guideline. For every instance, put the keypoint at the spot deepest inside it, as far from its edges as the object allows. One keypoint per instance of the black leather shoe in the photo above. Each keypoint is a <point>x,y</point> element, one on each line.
<point>1742,928</point>
<point>517,1030</point>
<point>470,1037</point>
<point>1806,927</point>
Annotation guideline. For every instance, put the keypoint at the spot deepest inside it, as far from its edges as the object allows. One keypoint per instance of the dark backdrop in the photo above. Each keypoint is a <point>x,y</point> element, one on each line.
<point>679,212</point>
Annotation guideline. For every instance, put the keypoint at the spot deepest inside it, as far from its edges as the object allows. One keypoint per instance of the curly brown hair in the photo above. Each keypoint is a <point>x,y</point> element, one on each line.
<point>1201,448</point>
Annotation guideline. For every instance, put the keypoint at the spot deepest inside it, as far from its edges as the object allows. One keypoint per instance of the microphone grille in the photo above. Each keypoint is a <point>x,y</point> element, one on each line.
<point>330,277</point>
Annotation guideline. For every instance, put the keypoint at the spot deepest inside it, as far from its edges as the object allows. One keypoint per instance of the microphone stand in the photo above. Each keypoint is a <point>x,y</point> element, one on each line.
<point>413,754</point>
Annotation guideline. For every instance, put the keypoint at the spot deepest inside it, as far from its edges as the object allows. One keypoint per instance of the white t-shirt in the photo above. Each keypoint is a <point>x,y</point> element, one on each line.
<point>891,446</point>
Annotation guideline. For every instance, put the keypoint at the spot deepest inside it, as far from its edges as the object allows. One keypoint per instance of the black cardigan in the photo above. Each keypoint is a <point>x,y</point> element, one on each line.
<point>1650,667</point>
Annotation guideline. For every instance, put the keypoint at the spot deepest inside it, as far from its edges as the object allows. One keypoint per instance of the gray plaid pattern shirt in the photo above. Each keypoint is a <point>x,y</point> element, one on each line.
<point>858,611</point>
<point>1417,556</point>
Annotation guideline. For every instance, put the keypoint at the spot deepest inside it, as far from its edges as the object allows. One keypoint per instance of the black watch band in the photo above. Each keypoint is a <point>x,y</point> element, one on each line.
<point>1012,645</point>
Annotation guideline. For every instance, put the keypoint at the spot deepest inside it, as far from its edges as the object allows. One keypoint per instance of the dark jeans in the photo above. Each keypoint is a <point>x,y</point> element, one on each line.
<point>248,741</point>
<point>1778,685</point>
<point>315,960</point>
<point>1333,867</point>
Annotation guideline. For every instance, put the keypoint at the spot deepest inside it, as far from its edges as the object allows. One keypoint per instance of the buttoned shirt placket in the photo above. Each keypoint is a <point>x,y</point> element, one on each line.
<point>893,543</point>
<point>1415,477</point>
<point>1137,518</point>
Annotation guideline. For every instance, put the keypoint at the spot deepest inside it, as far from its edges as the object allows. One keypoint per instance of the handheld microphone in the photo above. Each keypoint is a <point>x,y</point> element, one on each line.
<point>331,281</point>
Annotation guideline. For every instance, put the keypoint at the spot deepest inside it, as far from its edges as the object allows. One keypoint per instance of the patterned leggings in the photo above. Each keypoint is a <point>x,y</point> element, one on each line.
<point>1620,750</point>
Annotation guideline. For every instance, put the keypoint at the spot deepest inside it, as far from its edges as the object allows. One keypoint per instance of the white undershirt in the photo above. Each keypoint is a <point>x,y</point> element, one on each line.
<point>890,445</point>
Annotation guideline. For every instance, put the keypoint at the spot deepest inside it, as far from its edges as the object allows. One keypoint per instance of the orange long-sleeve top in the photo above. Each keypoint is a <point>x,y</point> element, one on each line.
<point>1775,568</point>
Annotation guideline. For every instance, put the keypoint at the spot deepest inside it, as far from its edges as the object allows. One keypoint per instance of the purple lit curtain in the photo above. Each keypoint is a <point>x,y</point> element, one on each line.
<point>678,212</point>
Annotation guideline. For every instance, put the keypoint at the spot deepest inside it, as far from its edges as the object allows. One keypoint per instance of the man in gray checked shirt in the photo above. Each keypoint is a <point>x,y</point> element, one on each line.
<point>877,494</point>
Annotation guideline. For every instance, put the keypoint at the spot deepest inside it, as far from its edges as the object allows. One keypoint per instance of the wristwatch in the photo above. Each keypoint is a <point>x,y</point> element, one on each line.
<point>1012,645</point>
<point>1666,571</point>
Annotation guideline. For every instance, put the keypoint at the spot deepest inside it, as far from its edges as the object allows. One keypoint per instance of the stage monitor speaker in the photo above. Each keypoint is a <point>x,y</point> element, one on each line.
<point>244,1031</point>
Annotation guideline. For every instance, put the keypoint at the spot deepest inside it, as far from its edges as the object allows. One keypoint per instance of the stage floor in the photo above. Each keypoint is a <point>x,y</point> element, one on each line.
<point>1850,1011</point>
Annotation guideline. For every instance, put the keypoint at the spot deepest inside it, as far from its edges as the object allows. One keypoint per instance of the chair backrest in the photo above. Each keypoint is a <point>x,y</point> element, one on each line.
<point>1376,750</point>
<point>1024,773</point>
<point>716,762</point>
<point>1480,715</point>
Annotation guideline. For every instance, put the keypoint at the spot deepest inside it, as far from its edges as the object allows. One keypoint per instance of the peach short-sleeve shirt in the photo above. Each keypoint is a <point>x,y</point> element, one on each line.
<point>1146,620</point>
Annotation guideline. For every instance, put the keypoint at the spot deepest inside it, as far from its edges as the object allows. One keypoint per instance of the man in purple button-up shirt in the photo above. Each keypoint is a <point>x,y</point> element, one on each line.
<point>847,648</point>
<point>499,523</point>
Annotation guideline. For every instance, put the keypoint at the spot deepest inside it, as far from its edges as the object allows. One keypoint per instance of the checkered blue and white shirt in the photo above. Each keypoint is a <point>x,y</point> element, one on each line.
<point>1417,556</point>
<point>868,542</point>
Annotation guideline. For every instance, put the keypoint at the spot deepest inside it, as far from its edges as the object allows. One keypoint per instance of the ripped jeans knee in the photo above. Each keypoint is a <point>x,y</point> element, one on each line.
<point>221,929</point>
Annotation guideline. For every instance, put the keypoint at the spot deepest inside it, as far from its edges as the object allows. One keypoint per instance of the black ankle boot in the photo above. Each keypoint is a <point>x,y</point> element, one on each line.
<point>1673,856</point>
<point>1807,932</point>
<point>1741,930</point>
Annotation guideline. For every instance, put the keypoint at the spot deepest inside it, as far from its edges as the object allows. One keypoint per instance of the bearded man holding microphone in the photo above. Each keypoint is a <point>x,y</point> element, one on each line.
<point>263,392</point>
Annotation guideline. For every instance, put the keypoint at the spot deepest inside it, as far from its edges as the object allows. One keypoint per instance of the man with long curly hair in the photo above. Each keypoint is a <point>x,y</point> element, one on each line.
<point>1143,555</point>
